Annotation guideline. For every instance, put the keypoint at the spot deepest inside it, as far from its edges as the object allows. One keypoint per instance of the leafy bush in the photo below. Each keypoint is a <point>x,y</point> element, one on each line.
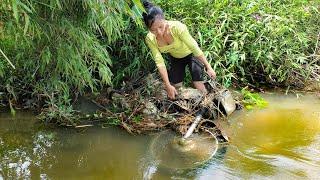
<point>60,48</point>
<point>252,100</point>
<point>260,41</point>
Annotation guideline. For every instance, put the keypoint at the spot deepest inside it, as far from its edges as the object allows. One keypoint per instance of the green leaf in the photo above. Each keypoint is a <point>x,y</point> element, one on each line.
<point>139,5</point>
<point>15,10</point>
<point>26,25</point>
<point>25,7</point>
<point>58,4</point>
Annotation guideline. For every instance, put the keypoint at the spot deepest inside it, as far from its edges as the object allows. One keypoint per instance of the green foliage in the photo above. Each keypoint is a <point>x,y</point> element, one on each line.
<point>252,100</point>
<point>113,121</point>
<point>132,57</point>
<point>60,48</point>
<point>137,118</point>
<point>261,41</point>
<point>59,110</point>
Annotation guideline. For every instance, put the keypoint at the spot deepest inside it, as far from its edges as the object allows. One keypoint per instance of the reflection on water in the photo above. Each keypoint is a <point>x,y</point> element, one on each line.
<point>282,141</point>
<point>30,152</point>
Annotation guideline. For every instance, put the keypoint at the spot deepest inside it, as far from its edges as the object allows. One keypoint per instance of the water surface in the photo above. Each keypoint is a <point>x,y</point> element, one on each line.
<point>281,141</point>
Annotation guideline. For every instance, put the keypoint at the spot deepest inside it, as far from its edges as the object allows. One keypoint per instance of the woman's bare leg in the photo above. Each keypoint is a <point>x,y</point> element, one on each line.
<point>178,85</point>
<point>200,86</point>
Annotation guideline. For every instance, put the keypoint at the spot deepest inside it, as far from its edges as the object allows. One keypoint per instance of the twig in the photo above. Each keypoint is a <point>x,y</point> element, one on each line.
<point>7,59</point>
<point>137,109</point>
<point>126,127</point>
<point>82,126</point>
<point>99,105</point>
<point>316,47</point>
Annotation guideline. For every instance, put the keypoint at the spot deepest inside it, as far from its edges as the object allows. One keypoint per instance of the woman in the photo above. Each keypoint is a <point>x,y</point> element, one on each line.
<point>173,37</point>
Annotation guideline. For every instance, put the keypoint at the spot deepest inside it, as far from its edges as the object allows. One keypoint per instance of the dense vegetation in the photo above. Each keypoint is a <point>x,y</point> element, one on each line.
<point>261,41</point>
<point>62,49</point>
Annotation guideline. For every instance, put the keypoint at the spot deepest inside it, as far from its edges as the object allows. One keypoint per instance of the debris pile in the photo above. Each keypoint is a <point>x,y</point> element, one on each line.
<point>143,106</point>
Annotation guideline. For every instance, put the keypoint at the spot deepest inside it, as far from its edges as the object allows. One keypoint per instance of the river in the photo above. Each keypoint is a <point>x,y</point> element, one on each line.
<point>281,141</point>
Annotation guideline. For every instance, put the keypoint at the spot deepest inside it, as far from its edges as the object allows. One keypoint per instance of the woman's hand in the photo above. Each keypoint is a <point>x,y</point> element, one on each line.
<point>171,91</point>
<point>211,73</point>
<point>209,69</point>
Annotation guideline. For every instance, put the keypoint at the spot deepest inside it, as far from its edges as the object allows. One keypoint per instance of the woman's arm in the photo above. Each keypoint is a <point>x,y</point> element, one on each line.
<point>193,46</point>
<point>171,90</point>
<point>158,59</point>
<point>208,67</point>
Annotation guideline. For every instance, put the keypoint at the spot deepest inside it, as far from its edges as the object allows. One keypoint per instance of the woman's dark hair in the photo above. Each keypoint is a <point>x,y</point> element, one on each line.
<point>151,14</point>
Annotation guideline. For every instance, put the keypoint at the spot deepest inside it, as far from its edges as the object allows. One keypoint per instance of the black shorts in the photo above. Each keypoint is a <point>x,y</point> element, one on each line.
<point>178,66</point>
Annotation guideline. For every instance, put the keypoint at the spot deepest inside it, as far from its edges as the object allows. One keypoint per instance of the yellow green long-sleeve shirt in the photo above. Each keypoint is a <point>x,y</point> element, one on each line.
<point>183,44</point>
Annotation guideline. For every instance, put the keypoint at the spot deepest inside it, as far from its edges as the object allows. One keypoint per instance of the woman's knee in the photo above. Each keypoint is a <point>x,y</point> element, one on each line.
<point>200,86</point>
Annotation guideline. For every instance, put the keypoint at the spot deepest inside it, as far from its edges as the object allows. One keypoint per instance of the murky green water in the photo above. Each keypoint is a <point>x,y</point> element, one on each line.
<point>282,141</point>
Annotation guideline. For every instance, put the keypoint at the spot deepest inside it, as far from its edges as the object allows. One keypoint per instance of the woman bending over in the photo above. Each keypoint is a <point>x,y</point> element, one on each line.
<point>173,37</point>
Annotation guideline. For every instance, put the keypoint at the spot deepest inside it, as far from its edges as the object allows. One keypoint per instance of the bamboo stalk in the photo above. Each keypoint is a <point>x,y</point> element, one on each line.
<point>193,126</point>
<point>7,59</point>
<point>195,123</point>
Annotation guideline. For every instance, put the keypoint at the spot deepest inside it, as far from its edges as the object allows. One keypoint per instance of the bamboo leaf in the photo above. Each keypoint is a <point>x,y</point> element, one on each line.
<point>58,4</point>
<point>27,23</point>
<point>25,7</point>
<point>15,10</point>
<point>139,5</point>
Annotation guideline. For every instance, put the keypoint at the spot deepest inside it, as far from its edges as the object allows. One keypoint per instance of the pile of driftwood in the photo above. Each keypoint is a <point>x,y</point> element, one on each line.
<point>142,106</point>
